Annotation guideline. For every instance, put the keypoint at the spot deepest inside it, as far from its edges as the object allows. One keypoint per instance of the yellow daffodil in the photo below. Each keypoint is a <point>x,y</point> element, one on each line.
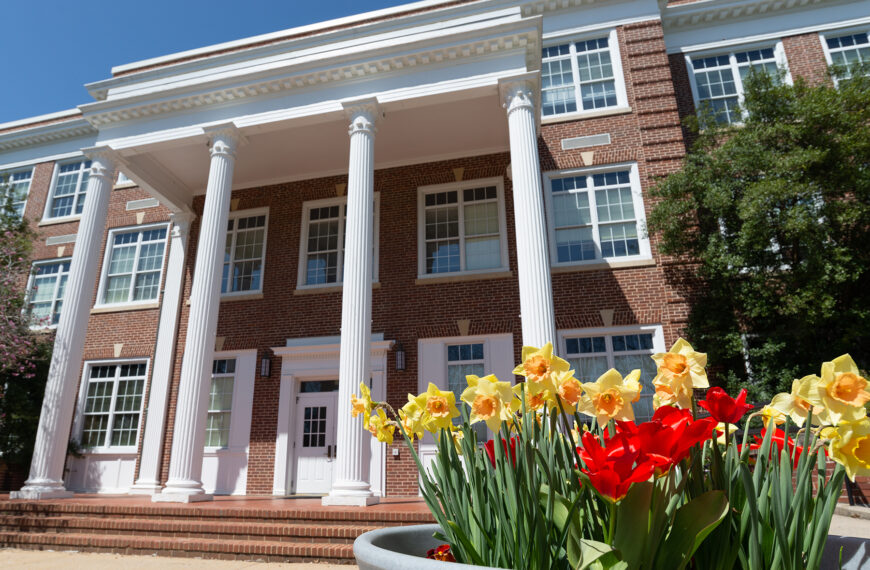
<point>680,370</point>
<point>536,397</point>
<point>438,408</point>
<point>803,398</point>
<point>539,364</point>
<point>569,390</point>
<point>842,390</point>
<point>611,396</point>
<point>411,417</point>
<point>770,414</point>
<point>381,427</point>
<point>720,430</point>
<point>458,435</point>
<point>361,405</point>
<point>850,446</point>
<point>489,399</point>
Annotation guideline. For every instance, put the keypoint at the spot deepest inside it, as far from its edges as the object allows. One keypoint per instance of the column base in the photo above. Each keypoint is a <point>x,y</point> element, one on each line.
<point>349,500</point>
<point>145,489</point>
<point>171,497</point>
<point>37,492</point>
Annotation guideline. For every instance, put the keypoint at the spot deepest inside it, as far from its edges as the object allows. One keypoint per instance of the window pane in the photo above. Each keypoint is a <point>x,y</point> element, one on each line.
<point>117,289</point>
<point>322,268</point>
<point>571,209</point>
<point>614,205</point>
<point>482,253</point>
<point>481,219</point>
<point>442,257</point>
<point>588,369</point>
<point>619,240</point>
<point>575,244</point>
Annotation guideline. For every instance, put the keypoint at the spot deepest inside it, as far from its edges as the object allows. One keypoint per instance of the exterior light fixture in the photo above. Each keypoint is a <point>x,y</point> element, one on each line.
<point>266,365</point>
<point>400,356</point>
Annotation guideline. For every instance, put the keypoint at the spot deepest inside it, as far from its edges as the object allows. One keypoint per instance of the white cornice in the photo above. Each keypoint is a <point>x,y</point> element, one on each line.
<point>709,12</point>
<point>42,134</point>
<point>40,118</point>
<point>433,49</point>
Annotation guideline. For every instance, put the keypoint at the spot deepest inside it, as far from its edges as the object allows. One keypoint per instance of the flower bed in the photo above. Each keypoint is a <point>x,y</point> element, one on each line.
<point>572,481</point>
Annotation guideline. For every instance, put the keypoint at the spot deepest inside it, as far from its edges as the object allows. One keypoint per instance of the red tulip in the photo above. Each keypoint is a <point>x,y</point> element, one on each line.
<point>723,408</point>
<point>489,447</point>
<point>612,469</point>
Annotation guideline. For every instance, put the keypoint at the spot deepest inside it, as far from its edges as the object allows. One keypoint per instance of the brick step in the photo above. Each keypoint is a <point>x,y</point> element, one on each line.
<point>192,512</point>
<point>281,532</point>
<point>271,551</point>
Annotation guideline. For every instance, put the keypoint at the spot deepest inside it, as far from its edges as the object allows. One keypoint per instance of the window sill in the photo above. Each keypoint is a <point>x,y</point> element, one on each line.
<point>54,221</point>
<point>626,264</point>
<point>585,115</point>
<point>131,450</point>
<point>123,185</point>
<point>318,289</point>
<point>461,277</point>
<point>121,308</point>
<point>245,297</point>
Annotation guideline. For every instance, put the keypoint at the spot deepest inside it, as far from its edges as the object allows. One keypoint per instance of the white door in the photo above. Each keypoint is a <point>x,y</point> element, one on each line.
<point>315,441</point>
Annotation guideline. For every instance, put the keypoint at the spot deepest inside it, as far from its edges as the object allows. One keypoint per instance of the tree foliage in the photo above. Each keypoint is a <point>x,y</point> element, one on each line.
<point>24,353</point>
<point>776,213</point>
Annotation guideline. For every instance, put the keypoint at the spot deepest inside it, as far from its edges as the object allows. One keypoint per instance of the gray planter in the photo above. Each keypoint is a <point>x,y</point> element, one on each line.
<point>404,548</point>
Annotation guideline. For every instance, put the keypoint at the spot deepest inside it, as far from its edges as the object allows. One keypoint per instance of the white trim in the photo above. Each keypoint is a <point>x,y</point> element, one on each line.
<point>40,119</point>
<point>107,255</point>
<point>341,202</point>
<point>645,251</point>
<point>7,174</point>
<point>54,300</point>
<point>236,215</point>
<point>839,32</point>
<point>615,61</point>
<point>34,161</point>
<point>78,424</point>
<point>459,186</point>
<point>49,201</point>
<point>549,37</point>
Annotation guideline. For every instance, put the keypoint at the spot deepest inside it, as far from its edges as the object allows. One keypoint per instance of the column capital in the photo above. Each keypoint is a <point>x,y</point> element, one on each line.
<point>224,139</point>
<point>519,91</point>
<point>362,113</point>
<point>103,161</point>
<point>181,223</point>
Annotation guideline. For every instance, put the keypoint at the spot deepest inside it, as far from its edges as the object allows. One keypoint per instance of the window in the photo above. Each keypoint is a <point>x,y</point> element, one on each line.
<point>718,79</point>
<point>45,294</point>
<point>245,253</point>
<point>321,261</point>
<point>848,51</point>
<point>67,197</point>
<point>462,228</point>
<point>113,403</point>
<point>462,360</point>
<point>17,186</point>
<point>582,76</point>
<point>220,403</point>
<point>596,215</point>
<point>591,354</point>
<point>133,266</point>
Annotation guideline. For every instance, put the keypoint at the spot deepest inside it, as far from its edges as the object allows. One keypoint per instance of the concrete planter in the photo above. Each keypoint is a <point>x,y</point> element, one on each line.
<point>404,548</point>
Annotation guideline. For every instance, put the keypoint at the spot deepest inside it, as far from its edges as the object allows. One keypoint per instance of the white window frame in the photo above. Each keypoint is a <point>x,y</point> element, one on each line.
<point>658,338</point>
<point>236,215</point>
<point>107,256</point>
<point>618,73</point>
<point>731,51</point>
<point>81,190</point>
<point>83,395</point>
<point>212,376</point>
<point>422,191</point>
<point>242,404</point>
<point>341,202</point>
<point>9,182</point>
<point>823,37</point>
<point>54,300</point>
<point>645,251</point>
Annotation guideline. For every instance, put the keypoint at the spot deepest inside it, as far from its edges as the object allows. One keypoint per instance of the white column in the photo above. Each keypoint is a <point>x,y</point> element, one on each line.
<point>185,463</point>
<point>148,481</point>
<point>533,260</point>
<point>49,451</point>
<point>350,485</point>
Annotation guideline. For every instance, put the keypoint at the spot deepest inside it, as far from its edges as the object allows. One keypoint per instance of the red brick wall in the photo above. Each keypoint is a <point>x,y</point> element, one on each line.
<point>806,57</point>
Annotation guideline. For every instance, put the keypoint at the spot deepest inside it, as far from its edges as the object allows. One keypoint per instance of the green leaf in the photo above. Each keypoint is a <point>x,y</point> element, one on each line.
<point>596,555</point>
<point>632,525</point>
<point>692,523</point>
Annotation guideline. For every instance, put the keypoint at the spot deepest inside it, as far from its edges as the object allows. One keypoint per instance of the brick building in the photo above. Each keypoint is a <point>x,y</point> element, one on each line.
<point>224,259</point>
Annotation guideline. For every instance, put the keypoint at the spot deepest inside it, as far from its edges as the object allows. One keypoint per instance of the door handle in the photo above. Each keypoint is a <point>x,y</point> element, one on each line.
<point>329,452</point>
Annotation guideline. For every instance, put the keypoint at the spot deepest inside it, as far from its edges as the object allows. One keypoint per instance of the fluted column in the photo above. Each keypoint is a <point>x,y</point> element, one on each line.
<point>533,260</point>
<point>58,404</point>
<point>351,474</point>
<point>185,462</point>
<point>148,481</point>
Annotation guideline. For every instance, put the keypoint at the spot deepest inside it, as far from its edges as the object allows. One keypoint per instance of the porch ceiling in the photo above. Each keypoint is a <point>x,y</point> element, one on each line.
<point>409,133</point>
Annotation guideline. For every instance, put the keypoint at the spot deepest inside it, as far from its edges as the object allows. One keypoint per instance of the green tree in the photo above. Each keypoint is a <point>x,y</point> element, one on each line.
<point>772,218</point>
<point>24,354</point>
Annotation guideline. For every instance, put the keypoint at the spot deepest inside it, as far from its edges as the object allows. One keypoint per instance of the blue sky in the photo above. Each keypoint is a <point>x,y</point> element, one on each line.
<point>50,48</point>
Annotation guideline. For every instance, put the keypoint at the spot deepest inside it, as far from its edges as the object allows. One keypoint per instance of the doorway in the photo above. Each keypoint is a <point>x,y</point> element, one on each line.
<point>315,436</point>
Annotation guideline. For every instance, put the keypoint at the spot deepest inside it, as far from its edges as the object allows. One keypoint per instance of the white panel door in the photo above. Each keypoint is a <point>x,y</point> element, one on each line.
<point>315,442</point>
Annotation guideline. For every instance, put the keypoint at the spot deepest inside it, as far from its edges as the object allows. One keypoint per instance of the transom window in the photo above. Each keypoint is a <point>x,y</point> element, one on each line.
<point>220,403</point>
<point>244,255</point>
<point>848,51</point>
<point>17,187</point>
<point>113,403</point>
<point>134,266</point>
<point>45,296</point>
<point>719,79</point>
<point>68,194</point>
<point>322,250</point>
<point>596,216</point>
<point>592,356</point>
<point>462,360</point>
<point>581,76</point>
<point>463,229</point>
